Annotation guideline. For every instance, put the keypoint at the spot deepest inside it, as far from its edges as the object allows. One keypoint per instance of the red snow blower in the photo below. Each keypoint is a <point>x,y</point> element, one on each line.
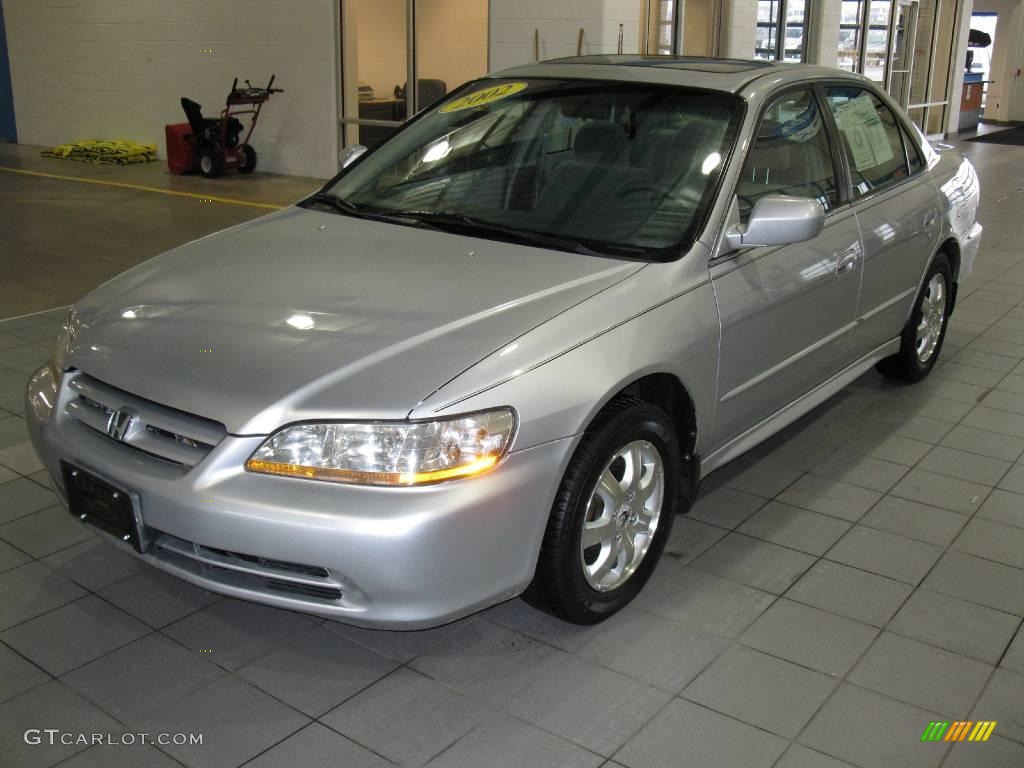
<point>214,145</point>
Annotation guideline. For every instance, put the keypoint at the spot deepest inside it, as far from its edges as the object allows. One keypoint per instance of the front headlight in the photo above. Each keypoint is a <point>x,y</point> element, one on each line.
<point>65,338</point>
<point>388,453</point>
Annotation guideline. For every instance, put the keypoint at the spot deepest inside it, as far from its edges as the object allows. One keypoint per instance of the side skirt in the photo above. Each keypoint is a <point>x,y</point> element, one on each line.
<point>794,410</point>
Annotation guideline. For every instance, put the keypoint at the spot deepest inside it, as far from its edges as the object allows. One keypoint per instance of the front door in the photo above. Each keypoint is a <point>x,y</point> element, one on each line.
<point>786,312</point>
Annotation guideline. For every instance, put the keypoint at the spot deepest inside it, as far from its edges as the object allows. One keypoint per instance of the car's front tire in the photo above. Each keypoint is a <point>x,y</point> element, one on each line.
<point>922,337</point>
<point>612,515</point>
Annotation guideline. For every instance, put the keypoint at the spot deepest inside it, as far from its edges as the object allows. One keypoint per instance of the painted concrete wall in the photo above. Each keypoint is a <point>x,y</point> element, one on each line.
<point>739,28</point>
<point>822,47</point>
<point>115,69</point>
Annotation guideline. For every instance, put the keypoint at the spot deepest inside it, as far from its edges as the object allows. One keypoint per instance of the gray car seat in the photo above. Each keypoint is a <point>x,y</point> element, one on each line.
<point>599,167</point>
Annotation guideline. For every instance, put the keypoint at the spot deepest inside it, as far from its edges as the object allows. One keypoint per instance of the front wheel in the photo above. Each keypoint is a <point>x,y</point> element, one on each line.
<point>247,162</point>
<point>612,515</point>
<point>211,161</point>
<point>922,337</point>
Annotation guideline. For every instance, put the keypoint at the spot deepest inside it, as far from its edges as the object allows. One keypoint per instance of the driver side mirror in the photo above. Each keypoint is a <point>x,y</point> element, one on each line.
<point>778,220</point>
<point>348,155</point>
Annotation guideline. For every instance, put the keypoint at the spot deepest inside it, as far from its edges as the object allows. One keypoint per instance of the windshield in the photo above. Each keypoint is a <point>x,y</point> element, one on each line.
<point>618,168</point>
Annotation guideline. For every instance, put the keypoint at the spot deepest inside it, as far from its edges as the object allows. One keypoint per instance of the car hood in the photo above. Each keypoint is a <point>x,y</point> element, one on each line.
<point>309,315</point>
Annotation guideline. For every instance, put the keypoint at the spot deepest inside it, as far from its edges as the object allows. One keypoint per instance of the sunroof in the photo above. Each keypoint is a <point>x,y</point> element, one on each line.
<point>700,64</point>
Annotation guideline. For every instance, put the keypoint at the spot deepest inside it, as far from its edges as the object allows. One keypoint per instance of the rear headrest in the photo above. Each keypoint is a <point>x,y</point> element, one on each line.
<point>693,134</point>
<point>773,155</point>
<point>600,141</point>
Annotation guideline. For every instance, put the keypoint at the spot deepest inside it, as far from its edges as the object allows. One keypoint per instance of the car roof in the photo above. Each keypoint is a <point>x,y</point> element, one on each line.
<point>731,75</point>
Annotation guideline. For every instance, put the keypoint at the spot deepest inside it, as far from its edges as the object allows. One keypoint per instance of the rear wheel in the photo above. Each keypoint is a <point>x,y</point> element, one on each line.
<point>612,515</point>
<point>247,160</point>
<point>922,337</point>
<point>211,161</point>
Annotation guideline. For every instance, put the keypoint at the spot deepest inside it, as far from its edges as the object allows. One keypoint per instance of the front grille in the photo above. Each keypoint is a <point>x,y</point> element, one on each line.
<point>166,433</point>
<point>305,570</point>
<point>248,571</point>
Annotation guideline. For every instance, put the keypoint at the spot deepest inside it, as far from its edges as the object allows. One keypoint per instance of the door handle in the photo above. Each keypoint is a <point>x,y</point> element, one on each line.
<point>847,261</point>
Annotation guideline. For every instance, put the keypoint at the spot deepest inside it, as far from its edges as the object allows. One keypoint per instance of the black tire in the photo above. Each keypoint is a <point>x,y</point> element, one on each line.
<point>211,161</point>
<point>907,363</point>
<point>247,160</point>
<point>559,585</point>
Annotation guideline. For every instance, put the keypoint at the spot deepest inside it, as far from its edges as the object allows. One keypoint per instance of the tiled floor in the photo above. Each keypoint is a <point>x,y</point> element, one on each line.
<point>829,595</point>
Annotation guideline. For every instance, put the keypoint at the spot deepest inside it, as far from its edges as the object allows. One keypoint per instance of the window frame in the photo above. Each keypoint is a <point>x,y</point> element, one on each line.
<point>911,148</point>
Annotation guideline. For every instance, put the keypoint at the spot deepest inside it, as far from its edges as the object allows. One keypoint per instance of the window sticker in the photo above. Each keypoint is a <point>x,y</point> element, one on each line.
<point>864,131</point>
<point>484,96</point>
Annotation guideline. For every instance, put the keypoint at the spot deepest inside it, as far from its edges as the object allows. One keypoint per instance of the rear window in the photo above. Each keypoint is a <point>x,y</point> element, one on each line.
<point>871,139</point>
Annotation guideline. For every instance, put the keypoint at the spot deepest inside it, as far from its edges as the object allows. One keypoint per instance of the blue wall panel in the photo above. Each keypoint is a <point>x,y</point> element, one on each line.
<point>8,131</point>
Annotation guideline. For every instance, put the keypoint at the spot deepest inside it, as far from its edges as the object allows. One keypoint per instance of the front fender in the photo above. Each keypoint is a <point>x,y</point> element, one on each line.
<point>560,396</point>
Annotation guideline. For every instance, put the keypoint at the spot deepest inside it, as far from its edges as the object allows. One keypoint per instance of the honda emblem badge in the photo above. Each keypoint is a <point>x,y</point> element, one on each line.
<point>120,422</point>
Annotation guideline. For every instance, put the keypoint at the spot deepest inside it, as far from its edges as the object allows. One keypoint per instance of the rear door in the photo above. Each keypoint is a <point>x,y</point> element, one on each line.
<point>786,312</point>
<point>896,208</point>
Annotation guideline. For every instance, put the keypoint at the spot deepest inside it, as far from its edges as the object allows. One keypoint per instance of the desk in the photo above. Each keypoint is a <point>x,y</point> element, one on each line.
<point>392,110</point>
<point>382,109</point>
<point>970,101</point>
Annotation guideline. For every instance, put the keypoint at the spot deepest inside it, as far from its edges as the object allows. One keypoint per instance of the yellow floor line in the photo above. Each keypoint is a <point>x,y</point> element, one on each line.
<point>33,314</point>
<point>144,188</point>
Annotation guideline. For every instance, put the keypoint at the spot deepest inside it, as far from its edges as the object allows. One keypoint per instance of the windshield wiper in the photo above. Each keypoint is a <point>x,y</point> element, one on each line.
<point>342,205</point>
<point>451,220</point>
<point>335,202</point>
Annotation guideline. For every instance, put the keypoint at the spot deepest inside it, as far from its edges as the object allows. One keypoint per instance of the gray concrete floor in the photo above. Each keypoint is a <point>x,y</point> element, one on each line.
<point>830,594</point>
<point>60,238</point>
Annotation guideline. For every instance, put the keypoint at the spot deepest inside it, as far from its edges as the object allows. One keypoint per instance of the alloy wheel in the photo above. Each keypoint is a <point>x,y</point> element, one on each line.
<point>933,315</point>
<point>622,515</point>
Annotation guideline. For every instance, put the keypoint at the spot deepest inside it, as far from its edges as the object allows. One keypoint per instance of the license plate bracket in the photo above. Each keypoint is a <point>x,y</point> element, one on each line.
<point>107,507</point>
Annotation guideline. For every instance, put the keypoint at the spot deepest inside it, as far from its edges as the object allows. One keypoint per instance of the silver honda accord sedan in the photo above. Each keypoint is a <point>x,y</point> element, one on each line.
<point>496,355</point>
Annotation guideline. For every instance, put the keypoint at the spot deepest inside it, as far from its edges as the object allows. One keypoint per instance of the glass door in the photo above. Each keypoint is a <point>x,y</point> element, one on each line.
<point>451,46</point>
<point>700,27</point>
<point>376,63</point>
<point>766,46</point>
<point>901,69</point>
<point>876,42</point>
<point>850,28</point>
<point>793,45</point>
<point>387,44</point>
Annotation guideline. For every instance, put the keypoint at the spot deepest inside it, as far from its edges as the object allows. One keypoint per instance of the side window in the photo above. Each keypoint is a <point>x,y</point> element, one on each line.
<point>871,139</point>
<point>790,156</point>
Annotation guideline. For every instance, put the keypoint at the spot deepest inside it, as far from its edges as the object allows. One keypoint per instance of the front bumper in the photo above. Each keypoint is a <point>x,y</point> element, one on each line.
<point>389,558</point>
